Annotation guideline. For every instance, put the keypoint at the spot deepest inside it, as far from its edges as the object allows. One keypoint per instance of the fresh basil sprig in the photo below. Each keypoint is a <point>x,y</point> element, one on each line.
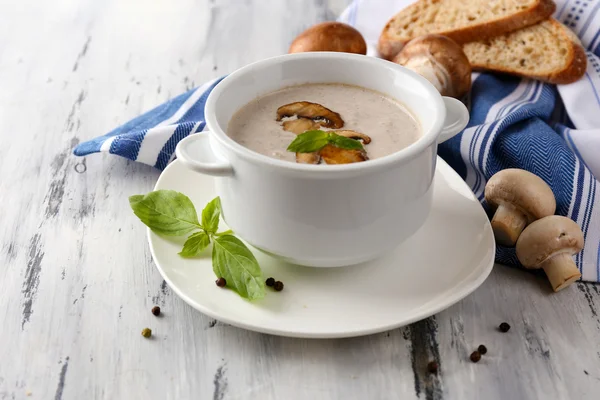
<point>235,262</point>
<point>166,212</point>
<point>170,213</point>
<point>211,214</point>
<point>311,141</point>
<point>195,244</point>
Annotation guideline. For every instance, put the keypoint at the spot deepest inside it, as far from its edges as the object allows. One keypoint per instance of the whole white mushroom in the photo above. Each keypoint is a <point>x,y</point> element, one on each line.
<point>550,243</point>
<point>519,198</point>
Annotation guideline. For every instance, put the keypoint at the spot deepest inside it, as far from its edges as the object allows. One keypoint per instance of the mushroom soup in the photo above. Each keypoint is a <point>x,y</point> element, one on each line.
<point>268,124</point>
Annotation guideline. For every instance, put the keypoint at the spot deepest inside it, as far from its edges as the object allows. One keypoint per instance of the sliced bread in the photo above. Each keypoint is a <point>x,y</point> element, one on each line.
<point>547,51</point>
<point>460,20</point>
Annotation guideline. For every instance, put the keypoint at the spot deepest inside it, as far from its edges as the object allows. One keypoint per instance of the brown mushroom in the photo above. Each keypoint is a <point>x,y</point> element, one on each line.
<point>300,125</point>
<point>520,198</point>
<point>354,135</point>
<point>330,36</point>
<point>312,116</point>
<point>439,60</point>
<point>549,243</point>
<point>314,111</point>
<point>308,158</point>
<point>334,155</point>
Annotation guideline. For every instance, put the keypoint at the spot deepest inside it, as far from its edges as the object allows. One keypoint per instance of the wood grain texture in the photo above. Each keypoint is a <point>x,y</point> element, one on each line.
<point>77,281</point>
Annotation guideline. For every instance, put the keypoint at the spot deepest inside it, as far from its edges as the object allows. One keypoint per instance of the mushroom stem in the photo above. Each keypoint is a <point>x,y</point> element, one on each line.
<point>561,271</point>
<point>508,223</point>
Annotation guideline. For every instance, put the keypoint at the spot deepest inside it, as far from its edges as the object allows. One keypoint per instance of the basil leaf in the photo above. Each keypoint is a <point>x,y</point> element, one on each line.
<point>194,244</point>
<point>166,212</point>
<point>345,143</point>
<point>233,261</point>
<point>210,215</point>
<point>309,141</point>
<point>136,198</point>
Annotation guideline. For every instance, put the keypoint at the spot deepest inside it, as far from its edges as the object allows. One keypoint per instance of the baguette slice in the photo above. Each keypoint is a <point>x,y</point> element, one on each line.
<point>548,51</point>
<point>461,20</point>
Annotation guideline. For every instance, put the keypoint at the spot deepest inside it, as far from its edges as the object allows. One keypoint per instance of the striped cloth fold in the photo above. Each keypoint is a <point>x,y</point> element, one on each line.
<point>152,137</point>
<point>552,131</point>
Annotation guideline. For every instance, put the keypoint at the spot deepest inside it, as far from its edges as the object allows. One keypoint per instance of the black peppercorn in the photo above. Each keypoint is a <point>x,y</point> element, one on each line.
<point>221,282</point>
<point>278,286</point>
<point>504,327</point>
<point>156,310</point>
<point>482,349</point>
<point>270,282</point>
<point>432,367</point>
<point>475,356</point>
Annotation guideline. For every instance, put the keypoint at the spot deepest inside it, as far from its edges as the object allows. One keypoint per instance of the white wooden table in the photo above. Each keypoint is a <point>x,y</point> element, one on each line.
<point>77,281</point>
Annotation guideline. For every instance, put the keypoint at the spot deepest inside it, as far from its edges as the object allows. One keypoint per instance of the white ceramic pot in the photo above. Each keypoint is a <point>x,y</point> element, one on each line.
<point>323,215</point>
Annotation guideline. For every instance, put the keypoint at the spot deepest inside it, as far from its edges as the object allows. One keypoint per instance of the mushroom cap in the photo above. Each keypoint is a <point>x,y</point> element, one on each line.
<point>306,109</point>
<point>330,36</point>
<point>548,237</point>
<point>441,61</point>
<point>523,190</point>
<point>335,155</point>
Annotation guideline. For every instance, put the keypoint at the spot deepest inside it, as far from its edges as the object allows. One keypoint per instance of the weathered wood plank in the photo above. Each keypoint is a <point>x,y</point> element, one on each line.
<point>78,282</point>
<point>552,341</point>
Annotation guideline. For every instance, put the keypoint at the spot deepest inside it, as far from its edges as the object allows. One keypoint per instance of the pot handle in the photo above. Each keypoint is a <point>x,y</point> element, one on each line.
<point>457,118</point>
<point>195,152</point>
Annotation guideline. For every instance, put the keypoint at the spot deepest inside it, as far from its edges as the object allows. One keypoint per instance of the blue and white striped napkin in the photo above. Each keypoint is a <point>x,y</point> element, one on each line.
<point>552,131</point>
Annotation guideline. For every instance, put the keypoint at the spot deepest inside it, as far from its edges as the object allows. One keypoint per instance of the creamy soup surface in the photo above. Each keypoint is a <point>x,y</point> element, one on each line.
<point>388,124</point>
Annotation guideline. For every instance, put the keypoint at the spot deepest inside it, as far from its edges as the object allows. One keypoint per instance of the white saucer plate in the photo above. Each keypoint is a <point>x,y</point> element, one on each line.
<point>446,260</point>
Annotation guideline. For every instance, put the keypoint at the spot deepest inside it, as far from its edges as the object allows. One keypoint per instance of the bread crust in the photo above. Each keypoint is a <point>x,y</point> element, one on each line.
<point>575,68</point>
<point>388,46</point>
